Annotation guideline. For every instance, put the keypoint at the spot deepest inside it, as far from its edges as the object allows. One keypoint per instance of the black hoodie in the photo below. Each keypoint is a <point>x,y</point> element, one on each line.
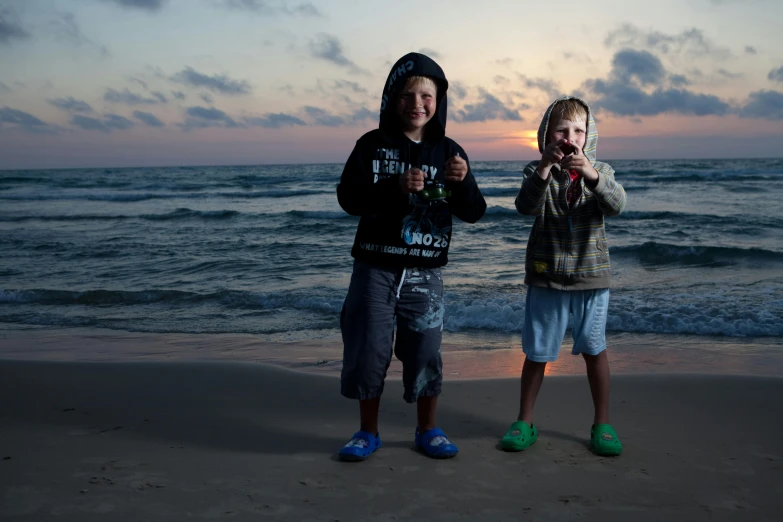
<point>398,229</point>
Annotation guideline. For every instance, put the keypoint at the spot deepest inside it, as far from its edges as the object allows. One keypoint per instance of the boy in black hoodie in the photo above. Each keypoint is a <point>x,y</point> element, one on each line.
<point>405,179</point>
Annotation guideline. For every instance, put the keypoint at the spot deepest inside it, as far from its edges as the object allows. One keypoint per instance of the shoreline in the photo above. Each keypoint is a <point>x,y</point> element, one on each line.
<point>466,355</point>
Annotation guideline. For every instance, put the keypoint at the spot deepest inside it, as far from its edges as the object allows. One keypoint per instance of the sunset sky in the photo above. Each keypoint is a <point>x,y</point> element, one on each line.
<point>100,83</point>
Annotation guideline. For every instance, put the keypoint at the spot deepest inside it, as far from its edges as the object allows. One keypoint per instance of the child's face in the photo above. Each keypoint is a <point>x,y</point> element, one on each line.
<point>573,131</point>
<point>416,106</point>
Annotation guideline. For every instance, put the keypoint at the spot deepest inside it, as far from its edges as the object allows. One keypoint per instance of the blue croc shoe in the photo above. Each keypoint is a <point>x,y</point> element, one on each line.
<point>362,445</point>
<point>435,444</point>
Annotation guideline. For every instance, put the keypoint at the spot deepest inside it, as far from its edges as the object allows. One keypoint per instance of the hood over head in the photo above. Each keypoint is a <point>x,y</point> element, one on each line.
<point>591,141</point>
<point>413,64</point>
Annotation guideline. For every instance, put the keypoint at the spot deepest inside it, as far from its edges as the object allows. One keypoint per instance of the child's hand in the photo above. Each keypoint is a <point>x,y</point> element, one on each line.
<point>412,181</point>
<point>552,154</point>
<point>579,162</point>
<point>456,169</point>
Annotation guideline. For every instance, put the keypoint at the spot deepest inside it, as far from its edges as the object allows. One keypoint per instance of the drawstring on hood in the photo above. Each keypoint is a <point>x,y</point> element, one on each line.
<point>402,280</point>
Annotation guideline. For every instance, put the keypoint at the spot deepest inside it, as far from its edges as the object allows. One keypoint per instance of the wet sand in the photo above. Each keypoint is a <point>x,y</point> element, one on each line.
<point>466,356</point>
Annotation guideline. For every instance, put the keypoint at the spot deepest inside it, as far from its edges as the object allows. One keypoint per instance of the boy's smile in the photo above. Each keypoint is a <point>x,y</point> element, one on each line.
<point>416,106</point>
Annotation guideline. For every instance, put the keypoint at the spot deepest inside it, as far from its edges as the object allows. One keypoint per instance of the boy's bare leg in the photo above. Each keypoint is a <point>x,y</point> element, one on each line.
<point>598,376</point>
<point>532,377</point>
<point>425,410</point>
<point>368,414</point>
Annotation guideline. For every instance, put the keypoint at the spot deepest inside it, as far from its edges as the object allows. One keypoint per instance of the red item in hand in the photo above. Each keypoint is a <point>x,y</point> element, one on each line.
<point>574,189</point>
<point>566,148</point>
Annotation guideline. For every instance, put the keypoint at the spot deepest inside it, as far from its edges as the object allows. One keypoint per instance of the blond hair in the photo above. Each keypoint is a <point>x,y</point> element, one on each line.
<point>413,81</point>
<point>571,110</point>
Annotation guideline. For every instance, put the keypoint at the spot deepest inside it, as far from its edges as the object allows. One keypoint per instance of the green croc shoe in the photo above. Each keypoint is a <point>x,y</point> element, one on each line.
<point>604,441</point>
<point>519,436</point>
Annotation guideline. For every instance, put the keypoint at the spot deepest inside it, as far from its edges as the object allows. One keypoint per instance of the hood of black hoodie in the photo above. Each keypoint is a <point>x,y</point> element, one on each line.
<point>413,64</point>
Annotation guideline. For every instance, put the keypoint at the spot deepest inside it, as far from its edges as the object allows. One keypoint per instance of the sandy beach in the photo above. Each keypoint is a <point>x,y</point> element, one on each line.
<point>177,441</point>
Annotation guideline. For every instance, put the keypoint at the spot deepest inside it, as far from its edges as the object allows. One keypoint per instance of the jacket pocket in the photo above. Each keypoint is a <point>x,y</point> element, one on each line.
<point>530,251</point>
<point>602,246</point>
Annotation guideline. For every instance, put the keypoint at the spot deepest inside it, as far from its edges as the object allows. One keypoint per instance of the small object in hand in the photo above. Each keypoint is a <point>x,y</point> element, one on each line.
<point>567,149</point>
<point>434,191</point>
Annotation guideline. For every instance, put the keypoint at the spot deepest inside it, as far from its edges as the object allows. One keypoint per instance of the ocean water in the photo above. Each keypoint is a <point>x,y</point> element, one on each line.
<point>265,250</point>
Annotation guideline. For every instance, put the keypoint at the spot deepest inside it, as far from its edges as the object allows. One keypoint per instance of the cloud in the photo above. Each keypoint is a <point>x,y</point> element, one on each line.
<point>147,5</point>
<point>457,90</point>
<point>348,85</point>
<point>265,7</point>
<point>70,104</point>
<point>130,98</point>
<point>25,121</point>
<point>767,105</point>
<point>363,114</point>
<point>776,75</point>
<point>10,29</point>
<point>148,119</point>
<point>580,58</point>
<point>435,55</point>
<point>628,64</point>
<point>4,87</point>
<point>322,117</point>
<point>728,74</point>
<point>328,47</point>
<point>749,49</point>
<point>139,81</point>
<point>543,84</point>
<point>66,30</point>
<point>629,100</point>
<point>274,121</point>
<point>109,123</point>
<point>305,9</point>
<point>178,95</point>
<point>317,115</point>
<point>208,98</point>
<point>488,108</point>
<point>218,83</point>
<point>202,117</point>
<point>332,91</point>
<point>626,91</point>
<point>87,123</point>
<point>691,41</point>
<point>679,80</point>
<point>160,96</point>
<point>115,121</point>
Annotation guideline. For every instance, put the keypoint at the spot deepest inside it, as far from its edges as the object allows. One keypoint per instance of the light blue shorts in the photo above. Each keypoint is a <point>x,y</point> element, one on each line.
<point>547,314</point>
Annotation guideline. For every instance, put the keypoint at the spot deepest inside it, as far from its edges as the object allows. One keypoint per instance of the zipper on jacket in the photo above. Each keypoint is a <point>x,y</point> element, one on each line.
<point>570,229</point>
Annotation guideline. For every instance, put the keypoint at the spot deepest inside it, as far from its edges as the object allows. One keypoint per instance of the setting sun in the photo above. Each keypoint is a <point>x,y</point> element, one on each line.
<point>529,138</point>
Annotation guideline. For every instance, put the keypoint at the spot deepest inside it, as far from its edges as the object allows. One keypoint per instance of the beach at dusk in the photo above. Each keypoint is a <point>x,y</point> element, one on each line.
<point>174,259</point>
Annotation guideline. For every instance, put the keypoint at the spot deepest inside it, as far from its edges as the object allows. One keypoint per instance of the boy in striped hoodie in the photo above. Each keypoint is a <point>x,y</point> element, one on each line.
<point>567,268</point>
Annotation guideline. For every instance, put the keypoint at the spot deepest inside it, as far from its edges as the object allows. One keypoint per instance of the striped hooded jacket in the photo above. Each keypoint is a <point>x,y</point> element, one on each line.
<point>567,248</point>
